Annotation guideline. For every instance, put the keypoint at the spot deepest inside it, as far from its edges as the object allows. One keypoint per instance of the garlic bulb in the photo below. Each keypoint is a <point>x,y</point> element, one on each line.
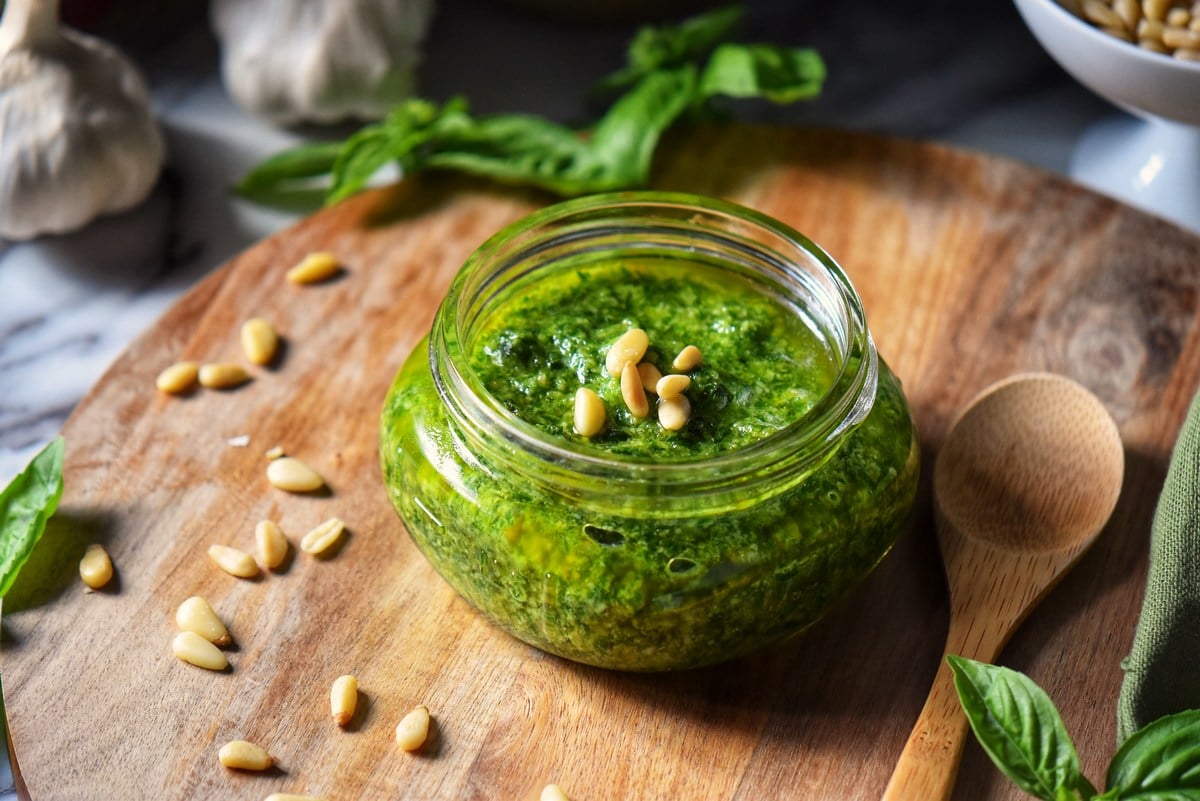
<point>319,60</point>
<point>77,135</point>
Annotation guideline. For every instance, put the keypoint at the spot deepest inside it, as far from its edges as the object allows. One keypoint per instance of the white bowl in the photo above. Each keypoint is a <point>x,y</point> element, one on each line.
<point>1138,80</point>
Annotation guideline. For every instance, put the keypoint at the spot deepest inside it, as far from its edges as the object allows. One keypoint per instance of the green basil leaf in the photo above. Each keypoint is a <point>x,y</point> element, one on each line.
<point>1160,762</point>
<point>363,155</point>
<point>626,137</point>
<point>25,505</point>
<point>779,74</point>
<point>523,149</point>
<point>1019,728</point>
<point>298,163</point>
<point>653,48</point>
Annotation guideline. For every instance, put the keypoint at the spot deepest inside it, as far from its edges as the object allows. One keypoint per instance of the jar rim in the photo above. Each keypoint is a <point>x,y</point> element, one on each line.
<point>786,456</point>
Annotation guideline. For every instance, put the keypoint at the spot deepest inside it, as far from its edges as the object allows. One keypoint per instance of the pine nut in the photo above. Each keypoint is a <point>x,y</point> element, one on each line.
<point>650,376</point>
<point>323,537</point>
<point>291,797</point>
<point>1155,9</point>
<point>1181,37</point>
<point>1101,14</point>
<point>552,792</point>
<point>195,650</point>
<point>343,698</point>
<point>632,392</point>
<point>674,413</point>
<point>1149,29</point>
<point>95,568</point>
<point>1118,33</point>
<point>1194,25</point>
<point>290,474</point>
<point>412,730</point>
<point>1129,11</point>
<point>195,615</point>
<point>1187,54</point>
<point>275,452</point>
<point>629,347</point>
<point>222,376</point>
<point>178,378</point>
<point>233,561</point>
<point>272,544</point>
<point>244,755</point>
<point>314,268</point>
<point>688,359</point>
<point>671,386</point>
<point>259,340</point>
<point>1179,17</point>
<point>589,413</point>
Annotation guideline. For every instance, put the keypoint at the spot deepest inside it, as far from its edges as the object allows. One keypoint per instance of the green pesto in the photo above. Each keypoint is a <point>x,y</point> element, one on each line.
<point>763,366</point>
<point>612,587</point>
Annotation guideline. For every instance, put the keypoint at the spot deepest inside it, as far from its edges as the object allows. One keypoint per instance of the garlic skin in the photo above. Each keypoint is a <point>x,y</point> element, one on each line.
<point>78,138</point>
<point>321,61</point>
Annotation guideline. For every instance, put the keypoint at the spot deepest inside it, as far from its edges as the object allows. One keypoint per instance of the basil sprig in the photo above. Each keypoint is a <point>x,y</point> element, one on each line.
<point>1020,729</point>
<point>672,72</point>
<point>26,504</point>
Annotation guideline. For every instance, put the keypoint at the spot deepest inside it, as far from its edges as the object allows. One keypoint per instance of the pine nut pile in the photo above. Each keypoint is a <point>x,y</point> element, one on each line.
<point>203,637</point>
<point>1170,27</point>
<point>639,379</point>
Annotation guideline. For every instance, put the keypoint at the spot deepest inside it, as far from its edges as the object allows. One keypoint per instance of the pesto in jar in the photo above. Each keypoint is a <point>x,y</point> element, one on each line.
<point>624,584</point>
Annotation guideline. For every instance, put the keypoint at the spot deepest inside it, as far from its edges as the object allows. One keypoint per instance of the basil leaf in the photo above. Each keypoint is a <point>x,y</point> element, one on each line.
<point>25,505</point>
<point>305,161</point>
<point>626,137</point>
<point>779,74</point>
<point>653,48</point>
<point>1160,762</point>
<point>1019,728</point>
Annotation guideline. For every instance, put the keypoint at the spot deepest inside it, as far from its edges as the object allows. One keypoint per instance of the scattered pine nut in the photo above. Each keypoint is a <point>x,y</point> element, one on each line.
<point>589,413</point>
<point>222,376</point>
<point>671,386</point>
<point>650,376</point>
<point>629,347</point>
<point>178,378</point>
<point>323,537</point>
<point>314,268</point>
<point>343,698</point>
<point>688,359</point>
<point>552,792</point>
<point>95,568</point>
<point>197,616</point>
<point>632,392</point>
<point>290,474</point>
<point>412,730</point>
<point>259,340</point>
<point>673,413</point>
<point>275,452</point>
<point>244,755</point>
<point>272,543</point>
<point>291,797</point>
<point>195,650</point>
<point>233,561</point>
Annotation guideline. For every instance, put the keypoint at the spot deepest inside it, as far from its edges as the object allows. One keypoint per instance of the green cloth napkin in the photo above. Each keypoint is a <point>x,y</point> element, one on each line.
<point>1162,671</point>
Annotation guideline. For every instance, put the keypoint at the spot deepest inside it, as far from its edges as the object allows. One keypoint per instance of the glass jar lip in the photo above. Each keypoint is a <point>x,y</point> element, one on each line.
<point>843,405</point>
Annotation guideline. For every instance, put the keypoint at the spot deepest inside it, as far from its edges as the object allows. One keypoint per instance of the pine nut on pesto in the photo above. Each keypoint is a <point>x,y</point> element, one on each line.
<point>640,547</point>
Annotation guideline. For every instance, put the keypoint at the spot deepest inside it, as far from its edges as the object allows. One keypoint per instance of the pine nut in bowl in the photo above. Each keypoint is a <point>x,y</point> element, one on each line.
<point>625,528</point>
<point>1143,56</point>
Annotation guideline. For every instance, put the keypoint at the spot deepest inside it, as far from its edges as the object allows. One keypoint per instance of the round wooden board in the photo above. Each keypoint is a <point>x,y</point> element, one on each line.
<point>970,267</point>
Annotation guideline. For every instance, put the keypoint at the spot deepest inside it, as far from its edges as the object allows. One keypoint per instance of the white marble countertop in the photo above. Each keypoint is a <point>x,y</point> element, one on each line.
<point>70,304</point>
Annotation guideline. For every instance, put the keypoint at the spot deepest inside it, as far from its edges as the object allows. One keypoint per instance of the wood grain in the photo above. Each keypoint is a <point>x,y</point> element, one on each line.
<point>971,268</point>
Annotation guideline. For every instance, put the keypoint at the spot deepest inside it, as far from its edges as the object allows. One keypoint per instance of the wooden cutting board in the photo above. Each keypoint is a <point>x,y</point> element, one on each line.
<point>970,267</point>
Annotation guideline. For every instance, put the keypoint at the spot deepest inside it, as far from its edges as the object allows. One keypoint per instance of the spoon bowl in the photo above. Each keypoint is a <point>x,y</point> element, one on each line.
<point>1027,478</point>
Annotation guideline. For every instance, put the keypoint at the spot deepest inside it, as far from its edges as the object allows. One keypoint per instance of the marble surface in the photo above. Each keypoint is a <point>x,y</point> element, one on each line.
<point>70,304</point>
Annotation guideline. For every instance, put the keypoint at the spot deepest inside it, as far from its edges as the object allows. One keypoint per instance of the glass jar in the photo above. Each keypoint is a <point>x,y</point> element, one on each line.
<point>677,556</point>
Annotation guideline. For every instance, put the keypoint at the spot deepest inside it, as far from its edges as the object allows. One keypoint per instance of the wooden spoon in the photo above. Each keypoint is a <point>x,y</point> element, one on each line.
<point>1027,478</point>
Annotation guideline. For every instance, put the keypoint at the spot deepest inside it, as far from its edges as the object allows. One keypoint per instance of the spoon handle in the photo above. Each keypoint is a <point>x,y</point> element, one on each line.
<point>929,762</point>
